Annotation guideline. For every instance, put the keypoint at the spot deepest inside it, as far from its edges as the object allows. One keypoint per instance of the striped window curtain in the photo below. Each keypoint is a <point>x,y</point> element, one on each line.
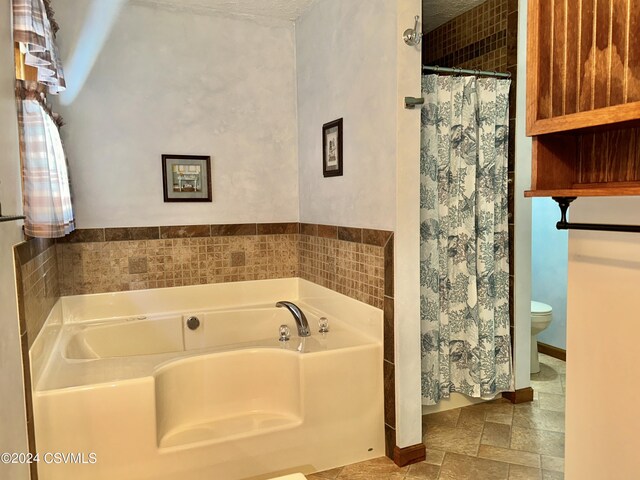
<point>34,28</point>
<point>45,179</point>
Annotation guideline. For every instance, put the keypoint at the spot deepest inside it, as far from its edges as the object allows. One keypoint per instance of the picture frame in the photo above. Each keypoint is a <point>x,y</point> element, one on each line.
<point>332,160</point>
<point>186,178</point>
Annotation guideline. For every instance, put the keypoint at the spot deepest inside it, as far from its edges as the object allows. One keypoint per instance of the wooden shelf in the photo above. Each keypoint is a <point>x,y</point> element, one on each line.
<point>609,191</point>
<point>608,117</point>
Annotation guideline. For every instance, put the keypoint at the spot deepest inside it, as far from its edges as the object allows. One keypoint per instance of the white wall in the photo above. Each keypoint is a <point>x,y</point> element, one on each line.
<point>346,62</point>
<point>522,216</point>
<point>549,257</point>
<point>407,236</point>
<point>177,81</point>
<point>361,70</point>
<point>603,328</point>
<point>13,434</point>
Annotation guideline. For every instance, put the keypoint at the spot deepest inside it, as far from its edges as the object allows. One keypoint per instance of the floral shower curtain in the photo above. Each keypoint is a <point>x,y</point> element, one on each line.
<point>464,268</point>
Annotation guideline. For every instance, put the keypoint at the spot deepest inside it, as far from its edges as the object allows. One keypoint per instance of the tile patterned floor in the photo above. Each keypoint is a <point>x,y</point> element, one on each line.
<point>489,441</point>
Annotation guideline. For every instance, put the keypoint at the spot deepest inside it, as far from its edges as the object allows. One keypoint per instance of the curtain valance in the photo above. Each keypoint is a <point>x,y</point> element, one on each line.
<point>34,28</point>
<point>45,177</point>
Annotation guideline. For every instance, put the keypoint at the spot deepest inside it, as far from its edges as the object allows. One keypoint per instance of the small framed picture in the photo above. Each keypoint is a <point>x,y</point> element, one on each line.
<point>186,178</point>
<point>332,149</point>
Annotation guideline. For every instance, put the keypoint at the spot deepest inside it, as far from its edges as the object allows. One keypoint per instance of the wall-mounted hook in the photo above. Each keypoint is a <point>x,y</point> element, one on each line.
<point>412,36</point>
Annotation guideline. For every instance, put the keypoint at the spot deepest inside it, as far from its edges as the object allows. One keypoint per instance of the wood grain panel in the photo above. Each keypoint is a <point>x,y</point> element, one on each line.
<point>558,75</point>
<point>545,46</point>
<point>595,190</point>
<point>603,117</point>
<point>633,69</point>
<point>572,79</point>
<point>618,53</point>
<point>554,164</point>
<point>587,55</point>
<point>532,64</point>
<point>609,156</point>
<point>601,68</point>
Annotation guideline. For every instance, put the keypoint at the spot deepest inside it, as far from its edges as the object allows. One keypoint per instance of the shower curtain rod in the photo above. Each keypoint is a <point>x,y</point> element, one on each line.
<point>459,71</point>
<point>412,102</point>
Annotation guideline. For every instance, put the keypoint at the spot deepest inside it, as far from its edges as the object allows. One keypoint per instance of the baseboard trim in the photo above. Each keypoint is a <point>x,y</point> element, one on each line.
<point>408,455</point>
<point>521,395</point>
<point>552,351</point>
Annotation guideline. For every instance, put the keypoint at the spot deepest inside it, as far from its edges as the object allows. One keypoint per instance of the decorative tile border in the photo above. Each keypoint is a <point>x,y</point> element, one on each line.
<point>122,234</point>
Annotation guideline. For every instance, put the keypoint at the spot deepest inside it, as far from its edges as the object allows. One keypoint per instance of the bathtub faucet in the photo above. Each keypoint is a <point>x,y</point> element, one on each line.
<point>301,320</point>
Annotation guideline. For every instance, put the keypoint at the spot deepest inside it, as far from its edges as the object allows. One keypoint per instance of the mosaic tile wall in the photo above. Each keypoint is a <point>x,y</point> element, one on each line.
<point>483,38</point>
<point>476,39</point>
<point>348,260</point>
<point>38,286</point>
<point>113,266</point>
<point>353,269</point>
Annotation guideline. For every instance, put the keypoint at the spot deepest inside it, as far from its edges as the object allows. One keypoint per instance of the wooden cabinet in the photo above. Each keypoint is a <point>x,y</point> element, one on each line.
<point>583,97</point>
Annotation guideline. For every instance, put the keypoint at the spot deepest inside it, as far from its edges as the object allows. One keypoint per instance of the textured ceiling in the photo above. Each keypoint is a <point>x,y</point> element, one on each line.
<point>280,9</point>
<point>437,12</point>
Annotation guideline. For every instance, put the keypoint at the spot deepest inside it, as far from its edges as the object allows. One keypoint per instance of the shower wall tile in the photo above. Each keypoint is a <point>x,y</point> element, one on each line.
<point>483,38</point>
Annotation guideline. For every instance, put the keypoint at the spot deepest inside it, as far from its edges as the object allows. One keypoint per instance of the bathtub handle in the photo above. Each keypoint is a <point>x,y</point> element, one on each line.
<point>193,323</point>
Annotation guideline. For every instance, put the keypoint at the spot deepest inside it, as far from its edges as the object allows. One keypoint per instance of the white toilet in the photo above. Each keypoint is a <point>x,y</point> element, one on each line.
<point>541,315</point>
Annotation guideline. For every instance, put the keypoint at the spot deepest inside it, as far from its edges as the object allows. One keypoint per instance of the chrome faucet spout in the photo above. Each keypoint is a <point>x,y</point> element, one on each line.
<point>298,316</point>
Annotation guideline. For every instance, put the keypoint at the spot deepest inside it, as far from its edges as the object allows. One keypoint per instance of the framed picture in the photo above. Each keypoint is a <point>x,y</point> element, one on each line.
<point>332,149</point>
<point>186,178</point>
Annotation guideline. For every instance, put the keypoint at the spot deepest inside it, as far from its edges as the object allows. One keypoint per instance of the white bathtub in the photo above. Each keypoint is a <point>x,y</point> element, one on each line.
<point>120,375</point>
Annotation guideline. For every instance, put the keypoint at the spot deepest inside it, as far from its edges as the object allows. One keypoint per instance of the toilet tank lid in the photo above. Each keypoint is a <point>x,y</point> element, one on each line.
<point>539,307</point>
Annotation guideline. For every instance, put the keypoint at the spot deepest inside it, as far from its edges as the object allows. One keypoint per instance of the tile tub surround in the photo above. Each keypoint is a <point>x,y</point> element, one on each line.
<point>352,261</point>
<point>356,262</point>
<point>114,266</point>
<point>348,266</point>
